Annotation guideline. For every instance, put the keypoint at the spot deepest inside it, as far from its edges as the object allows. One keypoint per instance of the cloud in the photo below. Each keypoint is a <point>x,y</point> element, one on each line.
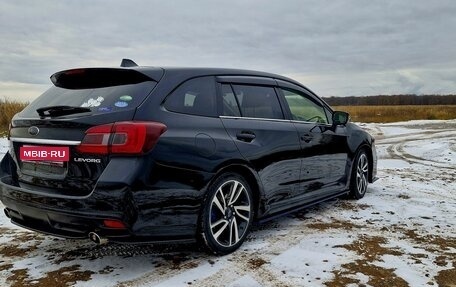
<point>20,91</point>
<point>334,44</point>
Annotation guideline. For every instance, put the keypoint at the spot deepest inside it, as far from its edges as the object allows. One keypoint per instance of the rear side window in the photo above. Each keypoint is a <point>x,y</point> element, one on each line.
<point>194,97</point>
<point>258,102</point>
<point>99,100</point>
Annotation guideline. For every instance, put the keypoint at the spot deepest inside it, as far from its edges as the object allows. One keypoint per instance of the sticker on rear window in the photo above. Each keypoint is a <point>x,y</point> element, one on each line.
<point>93,102</point>
<point>126,98</point>
<point>121,104</point>
<point>104,109</point>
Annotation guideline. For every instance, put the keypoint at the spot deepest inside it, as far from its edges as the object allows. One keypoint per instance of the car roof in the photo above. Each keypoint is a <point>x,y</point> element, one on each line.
<point>184,73</point>
<point>177,75</point>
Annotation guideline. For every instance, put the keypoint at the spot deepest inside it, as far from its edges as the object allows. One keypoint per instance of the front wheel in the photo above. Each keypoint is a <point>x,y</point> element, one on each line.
<point>359,176</point>
<point>227,214</point>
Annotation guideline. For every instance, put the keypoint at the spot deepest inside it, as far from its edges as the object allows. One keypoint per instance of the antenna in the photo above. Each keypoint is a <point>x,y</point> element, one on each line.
<point>128,63</point>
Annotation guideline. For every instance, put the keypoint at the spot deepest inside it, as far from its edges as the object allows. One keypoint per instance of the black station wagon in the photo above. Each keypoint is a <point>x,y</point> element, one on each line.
<point>147,154</point>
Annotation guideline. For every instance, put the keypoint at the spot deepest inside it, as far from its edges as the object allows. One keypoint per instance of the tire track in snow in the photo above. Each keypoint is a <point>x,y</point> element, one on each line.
<point>396,149</point>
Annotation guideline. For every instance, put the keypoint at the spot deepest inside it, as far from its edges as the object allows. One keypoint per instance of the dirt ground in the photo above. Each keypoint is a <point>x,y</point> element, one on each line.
<point>401,234</point>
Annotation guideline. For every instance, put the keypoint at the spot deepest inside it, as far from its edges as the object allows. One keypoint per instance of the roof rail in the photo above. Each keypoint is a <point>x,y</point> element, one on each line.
<point>128,63</point>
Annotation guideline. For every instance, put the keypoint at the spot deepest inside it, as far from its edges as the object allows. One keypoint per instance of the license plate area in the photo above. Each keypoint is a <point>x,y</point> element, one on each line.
<point>44,153</point>
<point>44,161</point>
<point>54,170</point>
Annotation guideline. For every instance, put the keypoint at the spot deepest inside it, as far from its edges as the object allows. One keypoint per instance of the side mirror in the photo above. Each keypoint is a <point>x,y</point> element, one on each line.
<point>340,118</point>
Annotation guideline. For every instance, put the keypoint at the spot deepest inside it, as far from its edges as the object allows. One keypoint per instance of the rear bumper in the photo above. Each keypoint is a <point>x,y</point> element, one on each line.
<point>57,223</point>
<point>150,216</point>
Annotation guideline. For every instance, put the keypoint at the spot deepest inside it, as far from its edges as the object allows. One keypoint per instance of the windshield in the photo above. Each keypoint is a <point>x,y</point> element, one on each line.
<point>99,100</point>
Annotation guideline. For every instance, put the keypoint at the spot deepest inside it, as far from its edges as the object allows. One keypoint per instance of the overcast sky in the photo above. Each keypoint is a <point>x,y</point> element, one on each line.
<point>336,48</point>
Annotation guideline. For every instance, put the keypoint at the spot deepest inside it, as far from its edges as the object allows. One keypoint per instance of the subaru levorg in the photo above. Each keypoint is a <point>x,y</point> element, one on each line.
<point>147,154</point>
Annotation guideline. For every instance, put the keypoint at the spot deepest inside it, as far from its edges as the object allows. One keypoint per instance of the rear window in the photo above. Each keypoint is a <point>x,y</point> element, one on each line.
<point>99,100</point>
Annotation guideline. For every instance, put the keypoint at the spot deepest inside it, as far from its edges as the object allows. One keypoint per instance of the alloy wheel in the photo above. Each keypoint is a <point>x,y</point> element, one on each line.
<point>229,214</point>
<point>362,173</point>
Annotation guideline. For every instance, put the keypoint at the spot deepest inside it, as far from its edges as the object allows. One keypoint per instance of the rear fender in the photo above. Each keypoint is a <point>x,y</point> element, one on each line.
<point>252,178</point>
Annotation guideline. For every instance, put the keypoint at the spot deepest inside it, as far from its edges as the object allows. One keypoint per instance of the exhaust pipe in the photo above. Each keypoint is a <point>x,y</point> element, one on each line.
<point>97,239</point>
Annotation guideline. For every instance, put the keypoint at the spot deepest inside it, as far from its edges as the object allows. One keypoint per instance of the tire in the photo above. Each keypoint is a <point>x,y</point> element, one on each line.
<point>227,214</point>
<point>360,175</point>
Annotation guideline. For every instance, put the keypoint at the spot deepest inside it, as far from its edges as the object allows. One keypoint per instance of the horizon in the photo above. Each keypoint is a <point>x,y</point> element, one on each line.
<point>4,99</point>
<point>335,48</point>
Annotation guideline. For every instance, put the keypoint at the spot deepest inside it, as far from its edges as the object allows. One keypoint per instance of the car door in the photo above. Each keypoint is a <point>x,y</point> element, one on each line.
<point>324,148</point>
<point>253,117</point>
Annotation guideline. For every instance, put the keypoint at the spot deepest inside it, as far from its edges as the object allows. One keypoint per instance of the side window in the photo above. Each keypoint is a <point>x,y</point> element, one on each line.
<point>194,97</point>
<point>304,109</point>
<point>258,102</point>
<point>230,106</point>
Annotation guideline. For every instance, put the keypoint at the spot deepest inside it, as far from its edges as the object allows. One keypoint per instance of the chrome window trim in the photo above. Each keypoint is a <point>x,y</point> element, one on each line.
<point>275,120</point>
<point>45,141</point>
<point>249,118</point>
<point>315,123</point>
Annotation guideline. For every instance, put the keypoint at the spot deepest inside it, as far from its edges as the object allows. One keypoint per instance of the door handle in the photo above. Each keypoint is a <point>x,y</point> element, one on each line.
<point>245,136</point>
<point>307,138</point>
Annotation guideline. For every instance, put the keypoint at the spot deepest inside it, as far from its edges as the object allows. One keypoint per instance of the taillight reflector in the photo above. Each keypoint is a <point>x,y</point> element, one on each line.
<point>121,138</point>
<point>114,223</point>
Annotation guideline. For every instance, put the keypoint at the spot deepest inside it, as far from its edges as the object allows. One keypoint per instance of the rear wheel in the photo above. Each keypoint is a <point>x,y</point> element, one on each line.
<point>359,176</point>
<point>227,214</point>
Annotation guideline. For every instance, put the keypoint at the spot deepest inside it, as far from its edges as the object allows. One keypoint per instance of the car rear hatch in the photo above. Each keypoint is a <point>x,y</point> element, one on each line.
<point>84,119</point>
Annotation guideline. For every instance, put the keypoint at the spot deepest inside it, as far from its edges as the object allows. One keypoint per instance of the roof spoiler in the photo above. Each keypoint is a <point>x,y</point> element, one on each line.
<point>128,63</point>
<point>91,78</point>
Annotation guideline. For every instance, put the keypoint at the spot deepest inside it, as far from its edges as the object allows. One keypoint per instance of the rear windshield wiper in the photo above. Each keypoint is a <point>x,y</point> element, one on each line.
<point>57,111</point>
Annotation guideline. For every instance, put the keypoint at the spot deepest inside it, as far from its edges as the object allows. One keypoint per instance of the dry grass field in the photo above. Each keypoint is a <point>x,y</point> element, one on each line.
<point>366,114</point>
<point>7,110</point>
<point>388,114</point>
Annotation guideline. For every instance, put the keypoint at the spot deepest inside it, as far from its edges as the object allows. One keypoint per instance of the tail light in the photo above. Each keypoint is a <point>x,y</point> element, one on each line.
<point>121,138</point>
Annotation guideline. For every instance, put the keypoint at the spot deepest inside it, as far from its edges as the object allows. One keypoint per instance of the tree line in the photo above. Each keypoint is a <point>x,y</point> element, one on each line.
<point>392,100</point>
